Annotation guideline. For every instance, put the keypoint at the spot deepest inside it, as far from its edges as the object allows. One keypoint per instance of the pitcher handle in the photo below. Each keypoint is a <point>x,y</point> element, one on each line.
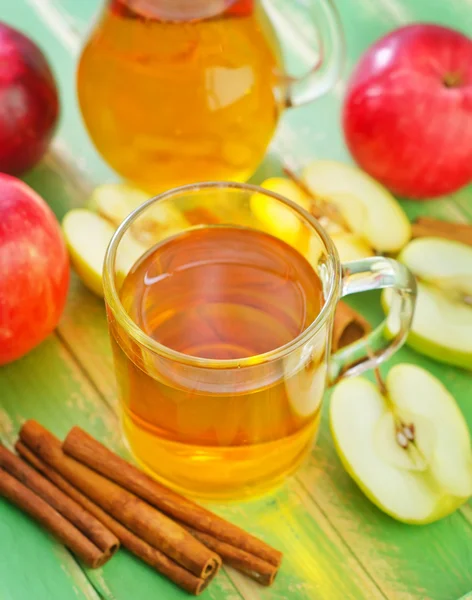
<point>374,274</point>
<point>324,74</point>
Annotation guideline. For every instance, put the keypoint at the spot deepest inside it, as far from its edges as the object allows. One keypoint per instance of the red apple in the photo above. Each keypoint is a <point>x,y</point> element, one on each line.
<point>34,269</point>
<point>29,104</point>
<point>408,111</point>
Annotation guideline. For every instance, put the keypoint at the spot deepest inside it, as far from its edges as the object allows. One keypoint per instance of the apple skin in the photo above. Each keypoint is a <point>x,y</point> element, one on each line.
<point>439,353</point>
<point>34,269</point>
<point>449,356</point>
<point>407,114</point>
<point>29,103</point>
<point>445,507</point>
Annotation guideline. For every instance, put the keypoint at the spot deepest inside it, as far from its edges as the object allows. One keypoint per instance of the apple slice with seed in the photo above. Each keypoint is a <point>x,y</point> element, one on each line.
<point>282,223</point>
<point>406,445</point>
<point>368,209</point>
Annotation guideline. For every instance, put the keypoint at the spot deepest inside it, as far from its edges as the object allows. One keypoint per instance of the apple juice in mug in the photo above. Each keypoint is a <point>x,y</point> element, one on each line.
<point>221,337</point>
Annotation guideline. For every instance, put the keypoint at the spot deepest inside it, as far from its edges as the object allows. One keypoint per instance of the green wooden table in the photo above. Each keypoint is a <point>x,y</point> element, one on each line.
<point>337,545</point>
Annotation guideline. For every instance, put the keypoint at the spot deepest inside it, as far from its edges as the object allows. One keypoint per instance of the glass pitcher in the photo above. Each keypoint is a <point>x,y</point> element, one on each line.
<point>178,91</point>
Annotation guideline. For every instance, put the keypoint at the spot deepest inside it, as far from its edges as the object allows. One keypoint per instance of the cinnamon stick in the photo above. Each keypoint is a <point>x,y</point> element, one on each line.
<point>93,529</point>
<point>92,453</point>
<point>32,504</point>
<point>146,522</point>
<point>252,566</point>
<point>429,227</point>
<point>154,558</point>
<point>349,326</point>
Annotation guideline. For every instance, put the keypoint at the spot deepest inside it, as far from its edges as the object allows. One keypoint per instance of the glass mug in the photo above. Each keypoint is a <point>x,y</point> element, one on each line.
<point>177,91</point>
<point>237,426</point>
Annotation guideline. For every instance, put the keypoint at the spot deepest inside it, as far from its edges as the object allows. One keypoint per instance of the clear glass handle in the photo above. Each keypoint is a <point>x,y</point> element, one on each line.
<point>374,274</point>
<point>325,61</point>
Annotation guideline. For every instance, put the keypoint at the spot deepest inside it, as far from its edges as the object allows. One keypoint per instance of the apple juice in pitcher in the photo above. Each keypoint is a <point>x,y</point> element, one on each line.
<point>171,96</point>
<point>181,91</point>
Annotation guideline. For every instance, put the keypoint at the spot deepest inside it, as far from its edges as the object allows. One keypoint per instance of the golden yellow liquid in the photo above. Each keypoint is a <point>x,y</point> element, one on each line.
<point>172,103</point>
<point>220,293</point>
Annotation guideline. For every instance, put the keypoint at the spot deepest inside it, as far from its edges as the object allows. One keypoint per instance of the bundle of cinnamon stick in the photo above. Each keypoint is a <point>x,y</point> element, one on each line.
<point>93,501</point>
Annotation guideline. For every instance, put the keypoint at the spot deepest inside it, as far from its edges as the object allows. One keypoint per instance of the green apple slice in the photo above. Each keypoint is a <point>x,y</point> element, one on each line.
<point>370,211</point>
<point>442,325</point>
<point>115,201</point>
<point>350,246</point>
<point>418,480</point>
<point>87,237</point>
<point>441,262</point>
<point>288,189</point>
<point>279,220</point>
<point>305,373</point>
<point>450,462</point>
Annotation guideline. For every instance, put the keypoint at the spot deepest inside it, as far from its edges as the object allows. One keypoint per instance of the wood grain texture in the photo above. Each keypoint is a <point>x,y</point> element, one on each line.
<point>49,386</point>
<point>338,546</point>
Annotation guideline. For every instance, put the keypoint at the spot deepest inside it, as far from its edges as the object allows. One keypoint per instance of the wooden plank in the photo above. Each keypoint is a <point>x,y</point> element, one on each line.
<point>391,549</point>
<point>306,134</point>
<point>48,386</point>
<point>33,565</point>
<point>434,561</point>
<point>316,559</point>
<point>384,547</point>
<point>83,328</point>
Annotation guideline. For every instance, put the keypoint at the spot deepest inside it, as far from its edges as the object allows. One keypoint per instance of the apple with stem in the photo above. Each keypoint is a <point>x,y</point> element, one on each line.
<point>405,443</point>
<point>407,114</point>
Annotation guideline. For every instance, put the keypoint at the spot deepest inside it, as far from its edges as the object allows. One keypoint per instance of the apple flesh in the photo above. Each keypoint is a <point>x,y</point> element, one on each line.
<point>407,114</point>
<point>87,236</point>
<point>368,218</point>
<point>29,103</point>
<point>34,269</point>
<point>370,212</point>
<point>89,231</point>
<point>115,201</point>
<point>406,446</point>
<point>442,324</point>
<point>279,220</point>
